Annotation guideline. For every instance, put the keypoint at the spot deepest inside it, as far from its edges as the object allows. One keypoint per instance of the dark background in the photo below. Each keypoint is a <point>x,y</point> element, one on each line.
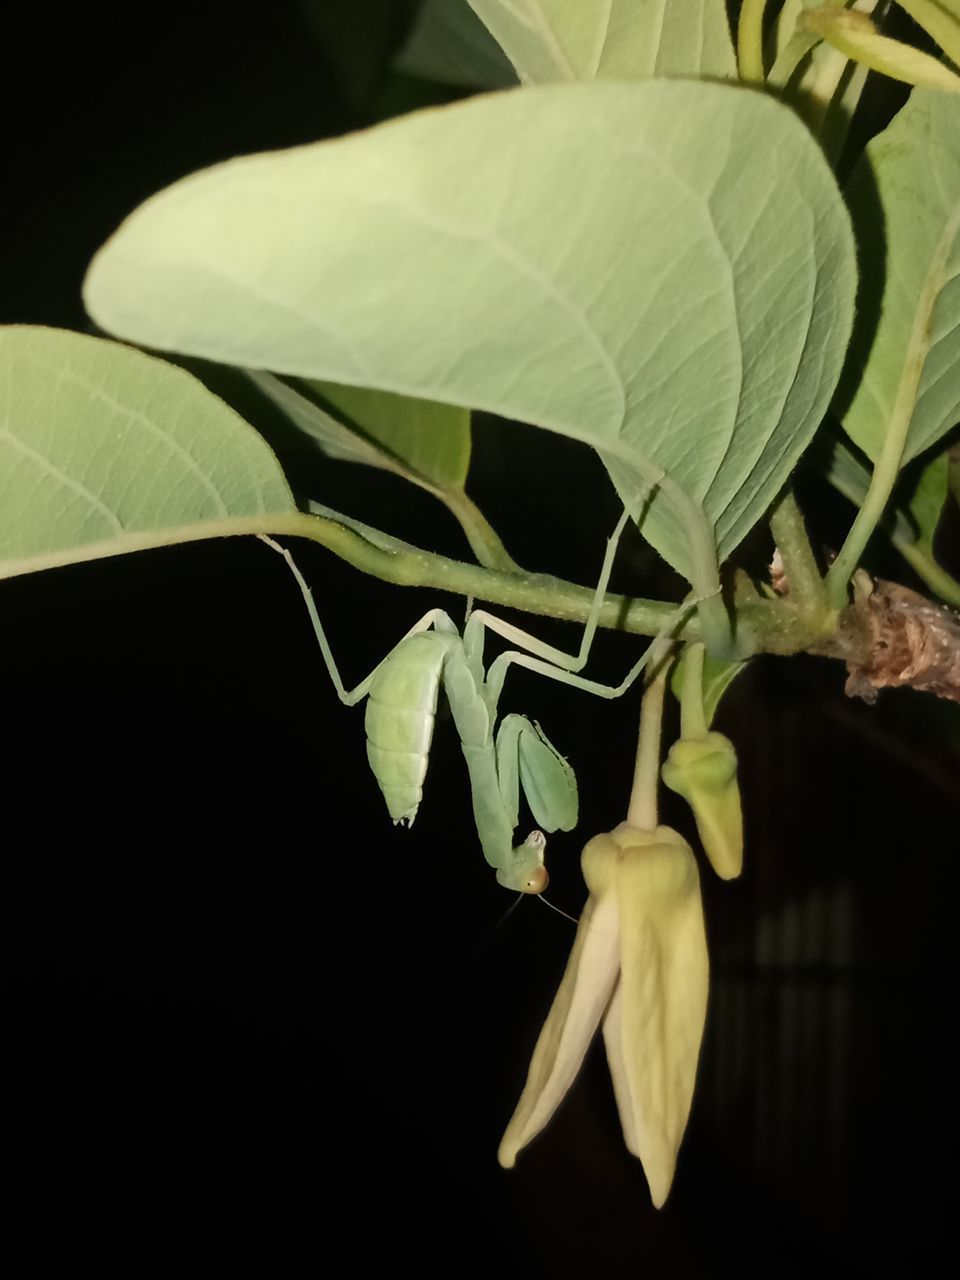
<point>245,1018</point>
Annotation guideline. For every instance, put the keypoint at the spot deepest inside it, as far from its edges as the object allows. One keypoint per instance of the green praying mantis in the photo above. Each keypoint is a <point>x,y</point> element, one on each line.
<point>402,693</point>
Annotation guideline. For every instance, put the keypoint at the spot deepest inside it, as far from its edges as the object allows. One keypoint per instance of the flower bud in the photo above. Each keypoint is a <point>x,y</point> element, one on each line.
<point>704,771</point>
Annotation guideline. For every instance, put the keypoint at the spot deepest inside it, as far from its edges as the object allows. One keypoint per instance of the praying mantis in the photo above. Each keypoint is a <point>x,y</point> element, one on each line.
<point>402,693</point>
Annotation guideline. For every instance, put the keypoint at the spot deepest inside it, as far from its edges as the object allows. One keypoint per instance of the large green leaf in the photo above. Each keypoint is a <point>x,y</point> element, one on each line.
<point>100,444</point>
<point>449,43</point>
<point>549,40</point>
<point>905,197</point>
<point>664,270</point>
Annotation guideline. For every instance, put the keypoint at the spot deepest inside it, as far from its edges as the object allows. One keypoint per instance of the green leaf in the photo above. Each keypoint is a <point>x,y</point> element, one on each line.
<point>425,442</point>
<point>100,444</point>
<point>449,43</point>
<point>549,40</point>
<point>664,270</point>
<point>905,198</point>
<point>430,440</point>
<point>927,500</point>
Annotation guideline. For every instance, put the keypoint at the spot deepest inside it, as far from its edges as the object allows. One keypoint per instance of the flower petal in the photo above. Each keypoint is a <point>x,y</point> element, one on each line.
<point>654,1025</point>
<point>579,1004</point>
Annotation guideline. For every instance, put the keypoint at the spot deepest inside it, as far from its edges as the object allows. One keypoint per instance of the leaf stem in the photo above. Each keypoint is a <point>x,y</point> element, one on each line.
<point>944,584</point>
<point>888,464</point>
<point>871,512</point>
<point>642,811</point>
<point>484,540</point>
<point>750,41</point>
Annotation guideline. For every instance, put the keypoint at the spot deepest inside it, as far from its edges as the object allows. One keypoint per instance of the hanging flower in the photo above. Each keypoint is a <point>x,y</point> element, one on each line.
<point>639,966</point>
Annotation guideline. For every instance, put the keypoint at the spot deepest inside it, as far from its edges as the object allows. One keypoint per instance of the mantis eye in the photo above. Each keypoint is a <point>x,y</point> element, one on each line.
<point>536,881</point>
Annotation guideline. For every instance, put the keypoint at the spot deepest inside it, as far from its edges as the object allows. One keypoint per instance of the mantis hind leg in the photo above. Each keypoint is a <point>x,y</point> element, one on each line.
<point>436,618</point>
<point>556,663</point>
<point>558,657</point>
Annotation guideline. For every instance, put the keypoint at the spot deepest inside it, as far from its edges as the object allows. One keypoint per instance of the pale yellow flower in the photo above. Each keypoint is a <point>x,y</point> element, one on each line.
<point>639,965</point>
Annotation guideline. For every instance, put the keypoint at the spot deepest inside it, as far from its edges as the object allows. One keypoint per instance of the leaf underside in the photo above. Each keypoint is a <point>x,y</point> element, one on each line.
<point>663,270</point>
<point>100,443</point>
<point>905,197</point>
<point>566,40</point>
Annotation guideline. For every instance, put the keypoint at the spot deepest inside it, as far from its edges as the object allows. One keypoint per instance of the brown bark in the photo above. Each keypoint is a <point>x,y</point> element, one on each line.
<point>907,642</point>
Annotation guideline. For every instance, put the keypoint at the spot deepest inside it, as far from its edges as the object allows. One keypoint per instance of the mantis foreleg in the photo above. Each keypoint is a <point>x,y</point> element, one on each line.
<point>526,756</point>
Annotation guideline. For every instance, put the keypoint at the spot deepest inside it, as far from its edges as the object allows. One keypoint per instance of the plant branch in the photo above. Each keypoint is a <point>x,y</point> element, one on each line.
<point>764,626</point>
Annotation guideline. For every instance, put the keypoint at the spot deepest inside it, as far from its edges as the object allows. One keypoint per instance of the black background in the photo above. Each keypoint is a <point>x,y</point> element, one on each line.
<point>245,1018</point>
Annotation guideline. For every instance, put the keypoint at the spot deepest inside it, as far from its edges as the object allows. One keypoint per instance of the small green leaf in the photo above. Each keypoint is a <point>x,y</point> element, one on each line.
<point>450,44</point>
<point>425,442</point>
<point>905,198</point>
<point>100,444</point>
<point>927,500</point>
<point>579,257</point>
<point>718,676</point>
<point>429,439</point>
<point>550,40</point>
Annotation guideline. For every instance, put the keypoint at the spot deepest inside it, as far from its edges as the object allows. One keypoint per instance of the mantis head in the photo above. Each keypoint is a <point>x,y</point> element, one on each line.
<point>526,873</point>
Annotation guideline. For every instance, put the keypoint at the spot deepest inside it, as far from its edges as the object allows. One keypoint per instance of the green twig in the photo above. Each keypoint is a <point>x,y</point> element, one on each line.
<point>767,626</point>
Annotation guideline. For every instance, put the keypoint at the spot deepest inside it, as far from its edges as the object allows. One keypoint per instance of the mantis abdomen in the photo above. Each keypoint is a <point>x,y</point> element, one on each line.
<point>400,715</point>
